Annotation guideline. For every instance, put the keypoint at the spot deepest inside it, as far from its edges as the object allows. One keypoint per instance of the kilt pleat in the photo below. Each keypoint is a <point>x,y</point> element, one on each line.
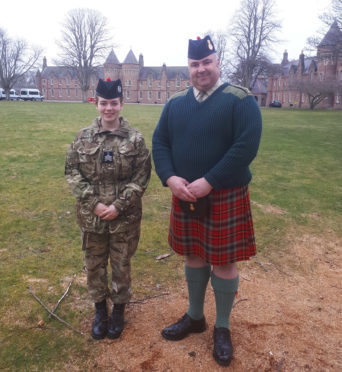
<point>225,236</point>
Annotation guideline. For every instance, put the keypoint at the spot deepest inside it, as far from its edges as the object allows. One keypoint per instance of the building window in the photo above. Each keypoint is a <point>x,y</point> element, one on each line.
<point>337,98</point>
<point>149,82</point>
<point>158,95</point>
<point>68,92</point>
<point>303,98</point>
<point>51,81</point>
<point>321,76</point>
<point>44,81</point>
<point>187,84</point>
<point>60,92</point>
<point>128,83</point>
<point>67,80</point>
<point>168,95</point>
<point>168,84</point>
<point>149,95</point>
<point>76,92</point>
<point>178,83</point>
<point>158,84</point>
<point>340,75</point>
<point>52,93</point>
<point>140,94</point>
<point>141,84</point>
<point>128,94</point>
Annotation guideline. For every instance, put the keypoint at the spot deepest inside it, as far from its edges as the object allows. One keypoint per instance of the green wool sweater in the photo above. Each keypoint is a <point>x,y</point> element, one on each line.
<point>216,139</point>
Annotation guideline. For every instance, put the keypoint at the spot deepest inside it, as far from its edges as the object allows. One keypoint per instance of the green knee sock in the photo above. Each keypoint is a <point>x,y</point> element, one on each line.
<point>197,279</point>
<point>224,290</point>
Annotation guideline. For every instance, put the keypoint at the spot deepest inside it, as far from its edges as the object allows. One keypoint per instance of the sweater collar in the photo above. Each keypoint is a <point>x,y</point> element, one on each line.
<point>201,96</point>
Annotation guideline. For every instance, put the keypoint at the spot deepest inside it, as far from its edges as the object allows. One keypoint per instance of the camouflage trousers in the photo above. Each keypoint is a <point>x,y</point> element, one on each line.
<point>119,248</point>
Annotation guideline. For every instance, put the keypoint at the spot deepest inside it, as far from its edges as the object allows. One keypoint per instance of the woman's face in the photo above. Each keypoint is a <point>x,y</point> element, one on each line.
<point>109,109</point>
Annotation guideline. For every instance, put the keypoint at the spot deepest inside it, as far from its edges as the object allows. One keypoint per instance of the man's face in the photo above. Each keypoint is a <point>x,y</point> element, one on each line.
<point>205,72</point>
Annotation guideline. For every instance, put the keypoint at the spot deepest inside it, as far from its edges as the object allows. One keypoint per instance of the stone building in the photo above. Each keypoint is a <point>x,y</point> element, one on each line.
<point>286,85</point>
<point>141,84</point>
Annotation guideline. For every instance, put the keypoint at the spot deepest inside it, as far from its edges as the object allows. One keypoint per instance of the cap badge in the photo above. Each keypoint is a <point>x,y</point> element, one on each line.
<point>210,45</point>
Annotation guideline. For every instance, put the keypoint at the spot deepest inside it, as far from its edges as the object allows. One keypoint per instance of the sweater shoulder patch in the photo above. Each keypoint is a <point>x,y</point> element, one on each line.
<point>182,93</point>
<point>237,90</point>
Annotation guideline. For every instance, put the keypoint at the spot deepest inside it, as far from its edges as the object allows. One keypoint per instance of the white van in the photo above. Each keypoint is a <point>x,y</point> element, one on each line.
<point>13,95</point>
<point>31,94</point>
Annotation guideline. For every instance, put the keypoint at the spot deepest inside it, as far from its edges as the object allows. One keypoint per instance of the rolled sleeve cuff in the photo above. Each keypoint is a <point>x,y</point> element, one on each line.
<point>119,205</point>
<point>92,203</point>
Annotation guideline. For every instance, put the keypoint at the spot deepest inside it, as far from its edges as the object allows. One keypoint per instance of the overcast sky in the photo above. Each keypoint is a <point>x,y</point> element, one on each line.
<point>158,29</point>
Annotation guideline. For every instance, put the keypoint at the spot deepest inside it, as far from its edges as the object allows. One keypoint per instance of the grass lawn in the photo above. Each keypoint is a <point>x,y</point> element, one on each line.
<point>298,171</point>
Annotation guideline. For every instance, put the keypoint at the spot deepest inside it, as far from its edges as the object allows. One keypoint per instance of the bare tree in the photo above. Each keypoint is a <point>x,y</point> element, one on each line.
<point>84,42</point>
<point>220,41</point>
<point>317,90</point>
<point>16,60</point>
<point>334,13</point>
<point>253,31</point>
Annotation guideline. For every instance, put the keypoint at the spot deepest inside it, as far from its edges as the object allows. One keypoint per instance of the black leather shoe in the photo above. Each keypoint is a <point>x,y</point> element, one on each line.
<point>116,321</point>
<point>223,348</point>
<point>183,327</point>
<point>99,329</point>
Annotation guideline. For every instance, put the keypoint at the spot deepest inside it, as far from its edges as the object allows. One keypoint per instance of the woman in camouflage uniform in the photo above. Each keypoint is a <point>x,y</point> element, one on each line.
<point>108,168</point>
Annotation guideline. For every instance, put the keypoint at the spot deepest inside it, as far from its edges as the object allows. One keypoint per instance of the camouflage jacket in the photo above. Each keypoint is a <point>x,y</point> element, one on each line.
<point>111,168</point>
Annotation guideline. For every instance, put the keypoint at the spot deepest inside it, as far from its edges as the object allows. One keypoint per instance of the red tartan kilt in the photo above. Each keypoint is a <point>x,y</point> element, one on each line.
<point>225,236</point>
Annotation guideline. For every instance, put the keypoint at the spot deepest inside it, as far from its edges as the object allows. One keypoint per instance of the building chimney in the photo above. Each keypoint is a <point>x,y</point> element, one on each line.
<point>285,58</point>
<point>44,63</point>
<point>301,62</point>
<point>141,61</point>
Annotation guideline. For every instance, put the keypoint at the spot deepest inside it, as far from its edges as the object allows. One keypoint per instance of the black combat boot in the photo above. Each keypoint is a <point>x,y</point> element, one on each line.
<point>116,321</point>
<point>100,323</point>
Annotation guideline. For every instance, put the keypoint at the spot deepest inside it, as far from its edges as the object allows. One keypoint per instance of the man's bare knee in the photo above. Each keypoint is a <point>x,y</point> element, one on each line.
<point>195,262</point>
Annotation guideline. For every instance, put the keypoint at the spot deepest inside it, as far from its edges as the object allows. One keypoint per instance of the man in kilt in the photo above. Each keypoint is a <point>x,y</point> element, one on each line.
<point>205,140</point>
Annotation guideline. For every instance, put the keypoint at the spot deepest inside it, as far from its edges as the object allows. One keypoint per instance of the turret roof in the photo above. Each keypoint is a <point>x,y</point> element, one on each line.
<point>112,58</point>
<point>332,37</point>
<point>130,58</point>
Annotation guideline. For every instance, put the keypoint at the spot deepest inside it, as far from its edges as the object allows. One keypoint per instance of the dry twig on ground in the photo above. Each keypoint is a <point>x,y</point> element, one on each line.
<point>149,298</point>
<point>54,315</point>
<point>242,299</point>
<point>61,299</point>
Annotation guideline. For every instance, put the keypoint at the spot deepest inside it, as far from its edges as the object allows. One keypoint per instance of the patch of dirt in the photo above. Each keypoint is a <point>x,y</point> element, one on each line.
<point>3,250</point>
<point>287,317</point>
<point>28,279</point>
<point>269,208</point>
